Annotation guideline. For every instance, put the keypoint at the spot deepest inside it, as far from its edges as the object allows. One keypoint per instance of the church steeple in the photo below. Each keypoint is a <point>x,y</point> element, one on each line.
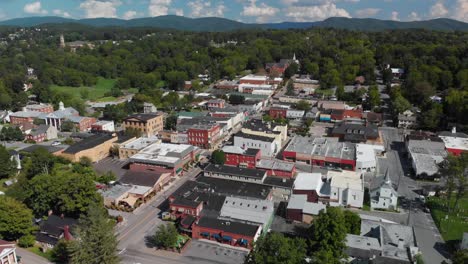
<point>387,177</point>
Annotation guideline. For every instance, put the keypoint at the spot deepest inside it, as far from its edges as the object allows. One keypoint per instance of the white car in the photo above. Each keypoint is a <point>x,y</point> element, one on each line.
<point>56,143</point>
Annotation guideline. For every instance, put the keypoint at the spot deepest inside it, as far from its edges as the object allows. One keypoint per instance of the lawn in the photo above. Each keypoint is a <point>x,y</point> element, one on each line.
<point>453,227</point>
<point>326,92</point>
<point>95,92</point>
<point>36,250</point>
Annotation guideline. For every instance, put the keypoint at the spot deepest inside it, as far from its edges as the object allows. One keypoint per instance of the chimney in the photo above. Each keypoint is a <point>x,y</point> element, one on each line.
<point>454,130</point>
<point>66,233</point>
<point>50,212</point>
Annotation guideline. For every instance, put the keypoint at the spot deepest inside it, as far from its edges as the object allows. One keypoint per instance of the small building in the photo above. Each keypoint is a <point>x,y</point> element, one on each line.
<point>267,145</point>
<point>235,173</point>
<point>42,133</point>
<point>373,118</point>
<point>301,210</point>
<point>216,103</point>
<point>204,135</point>
<point>245,158</point>
<point>8,252</point>
<point>382,193</point>
<point>96,147</point>
<point>308,184</point>
<point>455,143</point>
<point>115,194</point>
<point>425,154</point>
<point>356,133</point>
<point>142,184</point>
<point>24,117</point>
<point>147,124</point>
<point>149,108</point>
<point>366,157</point>
<point>134,146</point>
<point>295,114</point>
<point>43,108</point>
<point>346,189</point>
<point>407,120</point>
<point>103,125</point>
<point>277,168</point>
<point>53,229</point>
<point>259,79</point>
<point>232,233</point>
<point>277,112</point>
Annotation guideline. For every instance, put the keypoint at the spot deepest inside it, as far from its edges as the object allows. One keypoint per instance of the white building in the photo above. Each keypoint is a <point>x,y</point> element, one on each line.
<point>104,125</point>
<point>366,157</point>
<point>268,145</point>
<point>295,114</point>
<point>346,189</point>
<point>382,194</point>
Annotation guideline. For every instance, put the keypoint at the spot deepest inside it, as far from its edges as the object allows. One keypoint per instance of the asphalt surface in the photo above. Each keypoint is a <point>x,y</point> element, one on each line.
<point>28,257</point>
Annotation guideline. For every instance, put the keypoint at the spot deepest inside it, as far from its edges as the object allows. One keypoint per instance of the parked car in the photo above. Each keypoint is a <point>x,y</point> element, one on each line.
<point>56,143</point>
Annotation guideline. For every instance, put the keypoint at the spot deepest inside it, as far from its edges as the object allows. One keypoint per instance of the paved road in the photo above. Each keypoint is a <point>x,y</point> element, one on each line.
<point>28,257</point>
<point>428,237</point>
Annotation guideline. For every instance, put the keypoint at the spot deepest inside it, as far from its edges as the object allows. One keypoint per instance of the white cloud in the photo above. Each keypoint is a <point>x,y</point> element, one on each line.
<point>438,10</point>
<point>413,16</point>
<point>130,14</point>
<point>200,8</point>
<point>61,13</point>
<point>262,11</point>
<point>34,8</point>
<point>179,12</point>
<point>95,8</point>
<point>395,16</point>
<point>315,12</point>
<point>367,12</point>
<point>461,10</point>
<point>159,7</point>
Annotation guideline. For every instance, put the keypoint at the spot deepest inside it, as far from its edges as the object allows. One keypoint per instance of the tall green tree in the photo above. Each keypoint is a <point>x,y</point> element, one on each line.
<point>166,236</point>
<point>329,234</point>
<point>15,219</point>
<point>431,116</point>
<point>274,248</point>
<point>96,243</point>
<point>7,166</point>
<point>218,157</point>
<point>352,222</point>
<point>374,96</point>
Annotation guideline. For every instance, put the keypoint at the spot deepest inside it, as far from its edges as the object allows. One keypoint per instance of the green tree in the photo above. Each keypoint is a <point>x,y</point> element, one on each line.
<point>106,177</point>
<point>27,241</point>
<point>61,252</point>
<point>171,122</point>
<point>236,99</point>
<point>460,257</point>
<point>41,162</point>
<point>340,92</point>
<point>68,126</point>
<point>400,104</point>
<point>291,70</point>
<point>290,88</point>
<point>353,222</point>
<point>274,248</point>
<point>374,96</point>
<point>431,116</point>
<point>97,243</point>
<point>303,105</point>
<point>166,236</point>
<point>455,170</point>
<point>7,166</point>
<point>329,233</point>
<point>218,157</point>
<point>15,219</point>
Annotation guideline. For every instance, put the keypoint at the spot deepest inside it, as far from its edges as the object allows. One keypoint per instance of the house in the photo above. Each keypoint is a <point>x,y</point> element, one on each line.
<point>301,210</point>
<point>382,242</point>
<point>235,173</point>
<point>53,229</point>
<point>132,147</point>
<point>267,145</point>
<point>308,184</point>
<point>356,133</point>
<point>295,114</point>
<point>42,133</point>
<point>277,168</point>
<point>163,157</point>
<point>147,124</point>
<point>382,193</point>
<point>425,153</point>
<point>253,211</point>
<point>346,189</point>
<point>96,147</point>
<point>149,108</point>
<point>239,157</point>
<point>321,151</point>
<point>8,252</point>
<point>216,103</point>
<point>397,72</point>
<point>366,157</point>
<point>373,118</point>
<point>142,183</point>
<point>407,119</point>
<point>331,105</point>
<point>103,125</point>
<point>455,143</point>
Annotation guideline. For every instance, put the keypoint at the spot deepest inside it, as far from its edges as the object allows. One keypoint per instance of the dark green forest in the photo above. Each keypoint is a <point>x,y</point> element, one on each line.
<point>150,59</point>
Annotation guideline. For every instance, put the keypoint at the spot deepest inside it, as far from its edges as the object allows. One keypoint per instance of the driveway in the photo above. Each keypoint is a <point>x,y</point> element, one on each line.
<point>28,257</point>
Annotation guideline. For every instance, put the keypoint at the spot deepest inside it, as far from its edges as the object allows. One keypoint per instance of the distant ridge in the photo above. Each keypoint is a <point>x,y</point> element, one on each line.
<point>223,24</point>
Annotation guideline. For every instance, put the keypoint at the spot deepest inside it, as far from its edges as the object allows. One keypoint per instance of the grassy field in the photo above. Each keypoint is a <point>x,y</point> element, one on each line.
<point>36,250</point>
<point>96,92</point>
<point>453,227</point>
<point>326,92</point>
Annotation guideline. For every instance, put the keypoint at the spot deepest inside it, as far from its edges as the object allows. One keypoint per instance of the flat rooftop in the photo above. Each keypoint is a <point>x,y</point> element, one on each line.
<point>235,171</point>
<point>140,143</point>
<point>366,152</point>
<point>455,142</point>
<point>162,154</point>
<point>240,151</point>
<point>227,226</point>
<point>254,137</point>
<point>308,181</point>
<point>115,192</point>
<point>322,147</point>
<point>89,143</point>
<point>253,211</point>
<point>346,179</point>
<point>269,164</point>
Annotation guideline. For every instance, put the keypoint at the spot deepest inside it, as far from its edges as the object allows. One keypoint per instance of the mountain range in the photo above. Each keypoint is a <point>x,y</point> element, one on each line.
<point>223,24</point>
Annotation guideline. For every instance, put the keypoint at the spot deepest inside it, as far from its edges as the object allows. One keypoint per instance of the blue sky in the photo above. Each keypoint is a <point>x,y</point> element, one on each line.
<point>241,10</point>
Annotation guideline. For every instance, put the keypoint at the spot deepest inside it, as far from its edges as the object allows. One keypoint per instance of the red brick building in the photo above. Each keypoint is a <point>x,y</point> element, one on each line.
<point>216,103</point>
<point>203,135</point>
<point>24,117</point>
<point>277,168</point>
<point>278,112</point>
<point>226,232</point>
<point>42,108</point>
<point>238,157</point>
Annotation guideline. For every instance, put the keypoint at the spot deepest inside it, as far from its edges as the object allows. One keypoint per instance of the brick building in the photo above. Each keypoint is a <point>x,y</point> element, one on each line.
<point>204,135</point>
<point>96,148</point>
<point>277,168</point>
<point>43,108</point>
<point>147,124</point>
<point>278,112</point>
<point>236,156</point>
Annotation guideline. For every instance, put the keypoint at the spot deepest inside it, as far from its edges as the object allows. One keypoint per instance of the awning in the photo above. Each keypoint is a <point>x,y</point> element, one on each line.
<point>215,236</point>
<point>205,234</point>
<point>242,241</point>
<point>179,170</point>
<point>227,238</point>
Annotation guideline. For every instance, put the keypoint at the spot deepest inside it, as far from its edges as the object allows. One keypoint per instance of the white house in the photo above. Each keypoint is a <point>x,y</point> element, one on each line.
<point>382,194</point>
<point>366,157</point>
<point>295,114</point>
<point>346,189</point>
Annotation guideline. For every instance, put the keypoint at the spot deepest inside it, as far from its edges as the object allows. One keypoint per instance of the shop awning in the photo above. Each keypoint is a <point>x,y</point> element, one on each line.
<point>179,170</point>
<point>242,241</point>
<point>215,236</point>
<point>205,234</point>
<point>227,238</point>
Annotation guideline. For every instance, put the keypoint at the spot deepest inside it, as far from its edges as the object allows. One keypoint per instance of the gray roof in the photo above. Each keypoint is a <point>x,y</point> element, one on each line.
<point>115,192</point>
<point>299,201</point>
<point>426,155</point>
<point>324,147</point>
<point>41,129</point>
<point>275,165</point>
<point>251,211</point>
<point>64,113</point>
<point>235,171</point>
